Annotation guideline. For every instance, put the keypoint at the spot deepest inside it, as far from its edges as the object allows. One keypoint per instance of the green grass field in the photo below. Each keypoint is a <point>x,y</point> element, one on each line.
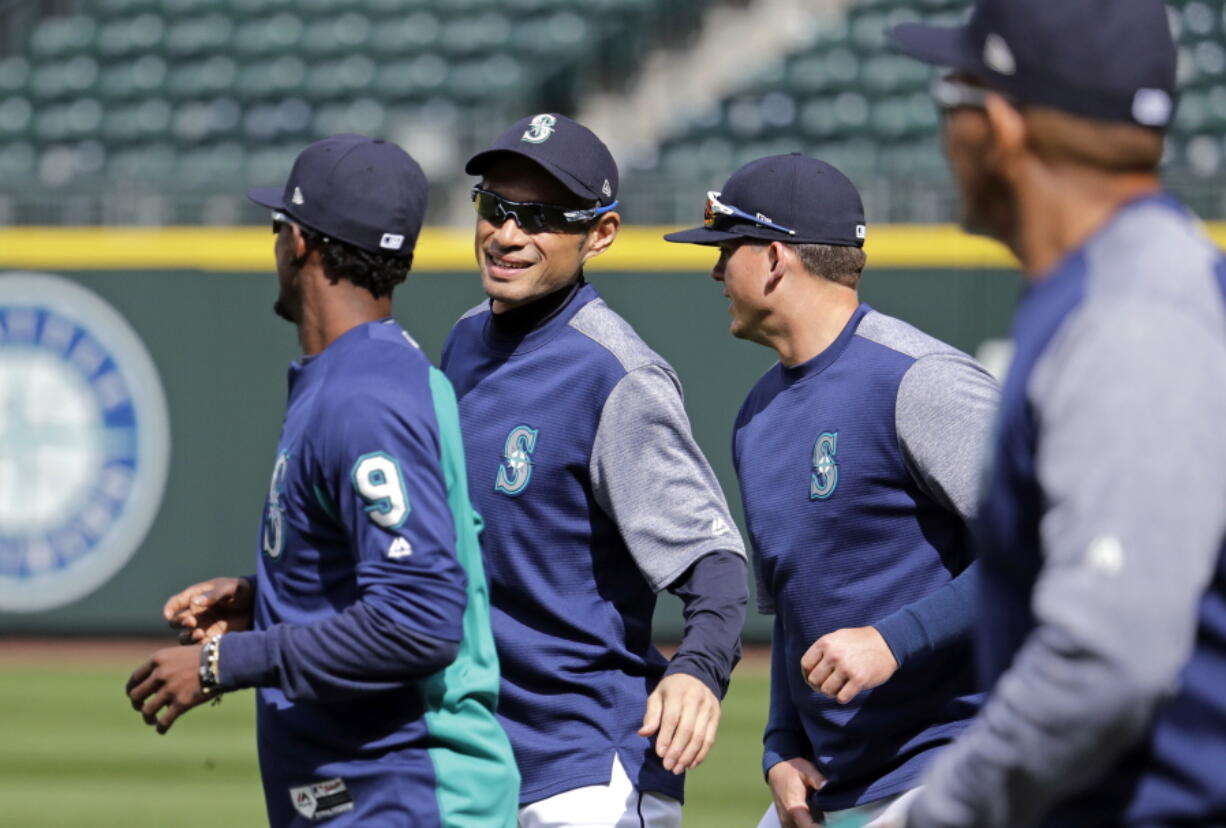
<point>74,753</point>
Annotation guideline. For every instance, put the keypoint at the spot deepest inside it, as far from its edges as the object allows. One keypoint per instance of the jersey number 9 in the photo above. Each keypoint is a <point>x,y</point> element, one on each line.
<point>378,480</point>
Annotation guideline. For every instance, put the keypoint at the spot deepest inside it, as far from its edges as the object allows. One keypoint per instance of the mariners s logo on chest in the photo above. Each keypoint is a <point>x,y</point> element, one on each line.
<point>824,471</point>
<point>515,471</point>
<point>274,512</point>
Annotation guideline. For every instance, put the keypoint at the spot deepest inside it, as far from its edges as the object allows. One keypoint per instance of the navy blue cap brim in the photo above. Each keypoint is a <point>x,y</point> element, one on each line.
<point>479,163</point>
<point>271,197</point>
<point>701,235</point>
<point>939,45</point>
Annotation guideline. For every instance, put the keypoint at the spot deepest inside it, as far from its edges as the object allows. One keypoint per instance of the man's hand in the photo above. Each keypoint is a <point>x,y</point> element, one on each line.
<point>684,715</point>
<point>210,608</point>
<point>843,663</point>
<point>169,679</point>
<point>790,782</point>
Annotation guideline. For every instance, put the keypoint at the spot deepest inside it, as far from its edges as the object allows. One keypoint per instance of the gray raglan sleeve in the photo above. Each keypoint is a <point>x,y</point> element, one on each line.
<point>943,415</point>
<point>650,476</point>
<point>1130,403</point>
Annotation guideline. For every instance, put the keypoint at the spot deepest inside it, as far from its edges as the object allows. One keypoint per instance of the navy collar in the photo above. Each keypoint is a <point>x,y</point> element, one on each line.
<point>526,318</point>
<point>826,358</point>
<point>549,324</point>
<point>305,365</point>
<point>1072,259</point>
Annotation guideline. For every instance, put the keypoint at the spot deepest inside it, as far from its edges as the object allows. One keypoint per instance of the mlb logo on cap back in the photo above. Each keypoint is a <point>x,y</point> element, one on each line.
<point>365,192</point>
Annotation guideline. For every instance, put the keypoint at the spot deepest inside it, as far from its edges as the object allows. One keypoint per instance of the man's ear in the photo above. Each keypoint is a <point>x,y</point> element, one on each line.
<point>299,248</point>
<point>1007,134</point>
<point>776,267</point>
<point>601,235</point>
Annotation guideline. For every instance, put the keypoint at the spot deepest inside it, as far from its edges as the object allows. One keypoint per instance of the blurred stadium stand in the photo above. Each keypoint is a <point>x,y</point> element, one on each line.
<point>158,111</point>
<point>847,98</point>
<point>162,111</point>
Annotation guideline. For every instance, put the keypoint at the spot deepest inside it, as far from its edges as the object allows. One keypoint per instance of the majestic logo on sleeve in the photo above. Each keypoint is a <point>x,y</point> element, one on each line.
<point>540,129</point>
<point>516,468</point>
<point>84,442</point>
<point>824,477</point>
<point>274,513</point>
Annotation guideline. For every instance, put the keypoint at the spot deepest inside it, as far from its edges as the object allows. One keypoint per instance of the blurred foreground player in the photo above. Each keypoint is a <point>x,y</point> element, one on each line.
<point>366,628</point>
<point>1102,529</point>
<point>858,455</point>
<point>595,497</point>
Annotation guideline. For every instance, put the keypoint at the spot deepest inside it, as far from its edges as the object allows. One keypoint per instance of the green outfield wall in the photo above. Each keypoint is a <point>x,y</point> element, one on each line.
<point>222,357</point>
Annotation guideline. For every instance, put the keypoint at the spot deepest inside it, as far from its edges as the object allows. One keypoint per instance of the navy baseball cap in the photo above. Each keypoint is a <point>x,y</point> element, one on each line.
<point>1109,60</point>
<point>788,198</point>
<point>365,192</point>
<point>565,148</point>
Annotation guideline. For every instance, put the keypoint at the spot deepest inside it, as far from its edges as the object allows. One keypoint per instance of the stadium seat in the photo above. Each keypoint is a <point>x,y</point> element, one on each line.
<point>275,34</point>
<point>60,36</point>
<point>191,79</point>
<point>130,35</point>
<point>16,119</point>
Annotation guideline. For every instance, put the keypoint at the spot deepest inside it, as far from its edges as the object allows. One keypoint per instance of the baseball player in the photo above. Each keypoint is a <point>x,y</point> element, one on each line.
<point>595,497</point>
<point>858,456</point>
<point>1103,523</point>
<point>366,628</point>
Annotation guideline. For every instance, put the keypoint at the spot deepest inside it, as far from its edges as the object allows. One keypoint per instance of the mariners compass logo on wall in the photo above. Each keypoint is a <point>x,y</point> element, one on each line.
<point>84,442</point>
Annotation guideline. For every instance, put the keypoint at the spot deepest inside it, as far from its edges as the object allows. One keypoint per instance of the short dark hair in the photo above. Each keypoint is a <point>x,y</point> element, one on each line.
<point>838,263</point>
<point>379,273</point>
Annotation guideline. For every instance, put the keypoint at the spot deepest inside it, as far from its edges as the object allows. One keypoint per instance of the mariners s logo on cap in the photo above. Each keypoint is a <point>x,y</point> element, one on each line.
<point>540,129</point>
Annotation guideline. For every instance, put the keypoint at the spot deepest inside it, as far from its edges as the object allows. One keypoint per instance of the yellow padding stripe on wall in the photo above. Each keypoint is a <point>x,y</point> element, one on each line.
<point>249,249</point>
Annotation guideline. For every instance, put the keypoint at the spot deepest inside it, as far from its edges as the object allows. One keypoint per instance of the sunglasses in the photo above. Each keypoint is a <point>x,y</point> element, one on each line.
<point>950,93</point>
<point>718,213</point>
<point>279,220</point>
<point>533,216</point>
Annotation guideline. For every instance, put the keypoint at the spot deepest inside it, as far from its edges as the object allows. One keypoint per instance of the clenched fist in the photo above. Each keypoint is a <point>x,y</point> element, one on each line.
<point>845,662</point>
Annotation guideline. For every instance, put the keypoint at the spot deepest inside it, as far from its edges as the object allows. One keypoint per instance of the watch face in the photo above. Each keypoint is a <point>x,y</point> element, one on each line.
<point>84,442</point>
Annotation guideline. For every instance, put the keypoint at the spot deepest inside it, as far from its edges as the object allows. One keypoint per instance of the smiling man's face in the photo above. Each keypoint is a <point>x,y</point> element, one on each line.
<point>518,267</point>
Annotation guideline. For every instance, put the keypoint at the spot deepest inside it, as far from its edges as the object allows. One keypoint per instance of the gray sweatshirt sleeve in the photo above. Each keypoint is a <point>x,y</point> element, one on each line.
<point>1130,399</point>
<point>650,476</point>
<point>944,414</point>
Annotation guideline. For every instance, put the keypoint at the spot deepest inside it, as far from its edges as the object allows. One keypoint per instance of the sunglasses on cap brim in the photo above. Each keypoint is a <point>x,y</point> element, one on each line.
<point>533,216</point>
<point>718,216</point>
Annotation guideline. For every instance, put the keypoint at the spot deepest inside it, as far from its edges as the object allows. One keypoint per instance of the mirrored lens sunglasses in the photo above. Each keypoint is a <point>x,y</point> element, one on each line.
<point>533,216</point>
<point>718,213</point>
